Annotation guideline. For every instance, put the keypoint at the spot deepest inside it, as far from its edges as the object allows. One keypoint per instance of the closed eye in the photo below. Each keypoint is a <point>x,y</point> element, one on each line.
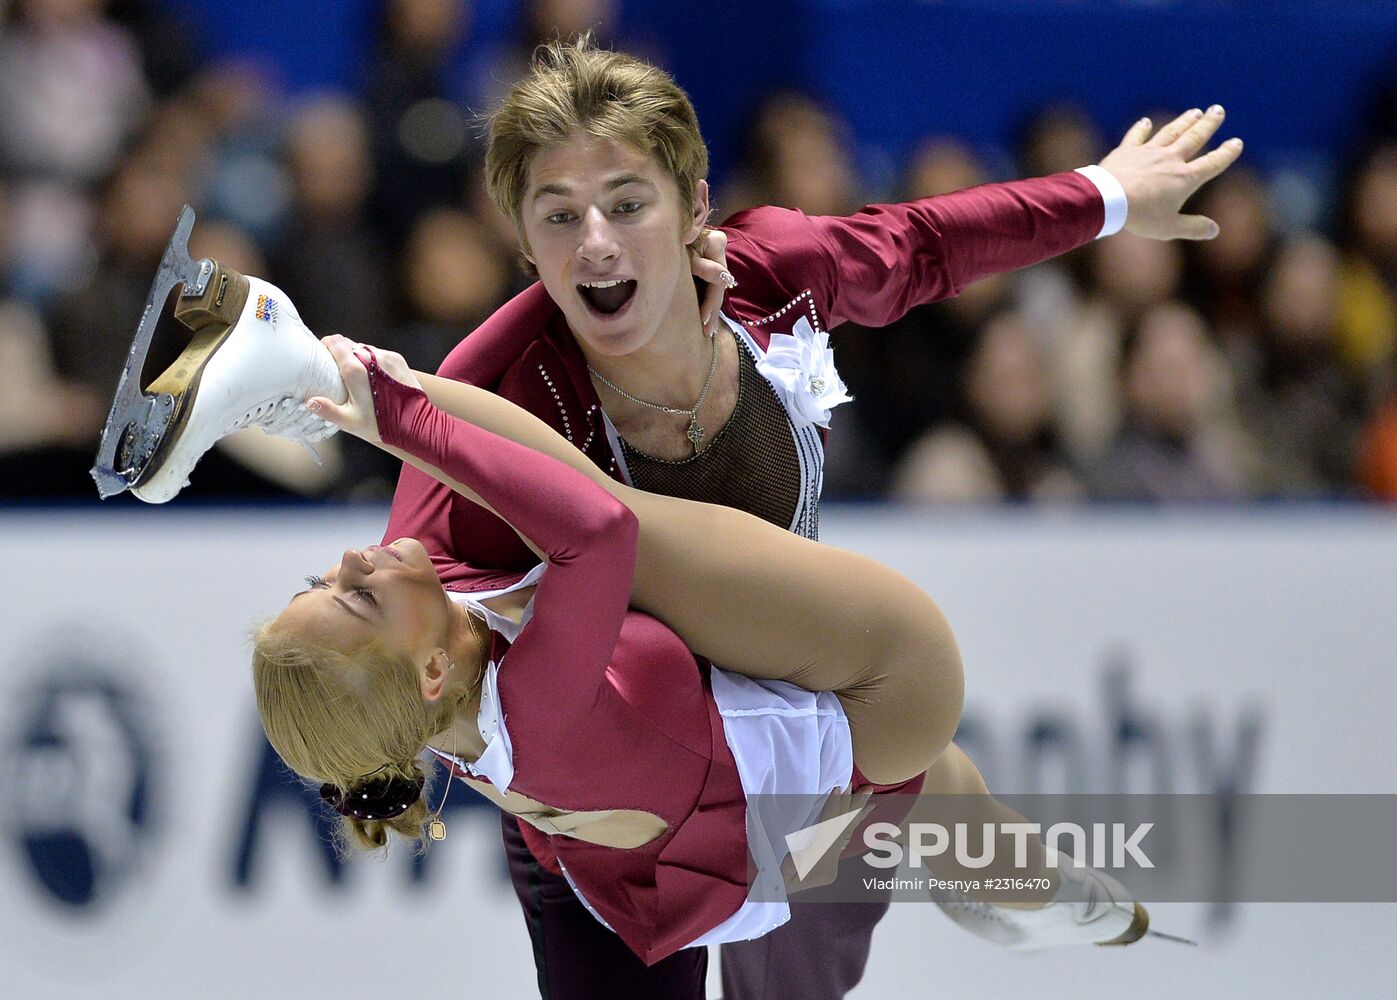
<point>365,594</point>
<point>316,582</point>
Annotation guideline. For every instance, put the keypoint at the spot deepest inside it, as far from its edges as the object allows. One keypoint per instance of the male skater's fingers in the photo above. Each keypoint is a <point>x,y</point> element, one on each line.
<point>1196,227</point>
<point>1171,132</point>
<point>1138,133</point>
<point>1196,136</point>
<point>1210,164</point>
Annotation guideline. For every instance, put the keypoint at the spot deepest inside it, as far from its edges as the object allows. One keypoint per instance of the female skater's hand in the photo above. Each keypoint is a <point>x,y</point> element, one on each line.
<point>1160,172</point>
<point>356,414</point>
<point>708,259</point>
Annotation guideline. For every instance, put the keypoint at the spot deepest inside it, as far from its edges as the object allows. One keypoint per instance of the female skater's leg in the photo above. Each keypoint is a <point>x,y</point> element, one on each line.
<point>763,602</point>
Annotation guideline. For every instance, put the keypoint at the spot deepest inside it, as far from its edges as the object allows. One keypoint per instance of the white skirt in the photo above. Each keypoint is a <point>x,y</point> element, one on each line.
<point>792,748</point>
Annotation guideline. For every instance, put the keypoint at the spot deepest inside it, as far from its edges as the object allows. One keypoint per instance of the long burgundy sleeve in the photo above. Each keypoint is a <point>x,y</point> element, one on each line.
<point>588,536</point>
<point>873,266</point>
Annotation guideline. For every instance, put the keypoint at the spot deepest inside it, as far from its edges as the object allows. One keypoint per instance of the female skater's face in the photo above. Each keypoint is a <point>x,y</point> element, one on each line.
<point>598,211</point>
<point>389,595</point>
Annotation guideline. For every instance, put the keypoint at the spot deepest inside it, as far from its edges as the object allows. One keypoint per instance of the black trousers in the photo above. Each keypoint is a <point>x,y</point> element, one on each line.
<point>820,954</point>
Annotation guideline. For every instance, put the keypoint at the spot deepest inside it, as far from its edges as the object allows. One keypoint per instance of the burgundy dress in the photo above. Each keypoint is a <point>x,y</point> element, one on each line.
<point>606,707</point>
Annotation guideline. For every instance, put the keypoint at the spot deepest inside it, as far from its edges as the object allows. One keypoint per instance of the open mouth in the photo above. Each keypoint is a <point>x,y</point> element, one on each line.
<point>607,297</point>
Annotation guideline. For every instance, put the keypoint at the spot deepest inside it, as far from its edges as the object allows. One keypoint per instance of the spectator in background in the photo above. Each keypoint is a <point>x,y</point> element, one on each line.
<point>92,325</point>
<point>245,181</point>
<point>168,38</point>
<point>1060,137</point>
<point>942,164</point>
<point>71,95</point>
<point>328,261</point>
<point>797,156</point>
<point>1224,275</point>
<point>549,20</point>
<point>454,276</point>
<point>1300,404</point>
<point>1377,469</point>
<point>71,90</point>
<point>1367,300</point>
<point>422,141</point>
<point>1128,277</point>
<point>1169,448</point>
<point>41,417</point>
<point>1004,446</point>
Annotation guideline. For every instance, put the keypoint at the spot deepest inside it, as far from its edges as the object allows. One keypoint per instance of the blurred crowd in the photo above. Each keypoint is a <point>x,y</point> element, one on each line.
<point>1258,365</point>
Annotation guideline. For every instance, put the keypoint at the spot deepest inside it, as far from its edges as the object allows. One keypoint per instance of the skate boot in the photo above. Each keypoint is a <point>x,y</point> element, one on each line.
<point>1089,907</point>
<point>250,363</point>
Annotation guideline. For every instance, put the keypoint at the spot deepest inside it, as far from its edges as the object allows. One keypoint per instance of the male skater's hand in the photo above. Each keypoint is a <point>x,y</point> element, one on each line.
<point>1159,173</point>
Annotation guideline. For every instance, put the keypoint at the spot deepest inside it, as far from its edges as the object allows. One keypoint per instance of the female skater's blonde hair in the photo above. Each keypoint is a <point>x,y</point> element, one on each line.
<point>576,89</point>
<point>341,718</point>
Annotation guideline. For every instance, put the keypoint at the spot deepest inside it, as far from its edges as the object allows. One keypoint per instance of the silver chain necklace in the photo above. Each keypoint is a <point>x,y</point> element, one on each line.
<point>695,432</point>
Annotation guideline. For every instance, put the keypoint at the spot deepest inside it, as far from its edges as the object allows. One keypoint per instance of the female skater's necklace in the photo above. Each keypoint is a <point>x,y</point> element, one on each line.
<point>695,432</point>
<point>436,829</point>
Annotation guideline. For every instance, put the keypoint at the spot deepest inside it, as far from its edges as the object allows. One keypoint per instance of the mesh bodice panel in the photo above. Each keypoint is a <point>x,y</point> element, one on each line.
<point>751,463</point>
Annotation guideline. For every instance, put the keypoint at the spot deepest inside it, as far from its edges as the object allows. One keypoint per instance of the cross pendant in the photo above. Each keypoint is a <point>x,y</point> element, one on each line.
<point>694,433</point>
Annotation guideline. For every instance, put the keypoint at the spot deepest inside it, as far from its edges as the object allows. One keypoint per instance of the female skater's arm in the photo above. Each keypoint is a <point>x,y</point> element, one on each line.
<point>587,536</point>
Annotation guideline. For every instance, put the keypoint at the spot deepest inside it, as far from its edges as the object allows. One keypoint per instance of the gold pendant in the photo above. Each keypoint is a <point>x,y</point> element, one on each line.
<point>436,830</point>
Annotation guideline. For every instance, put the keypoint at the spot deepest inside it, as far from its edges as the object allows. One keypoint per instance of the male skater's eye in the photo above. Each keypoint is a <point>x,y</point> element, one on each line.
<point>629,207</point>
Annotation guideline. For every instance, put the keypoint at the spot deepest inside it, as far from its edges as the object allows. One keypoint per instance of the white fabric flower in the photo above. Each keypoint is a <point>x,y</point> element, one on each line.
<point>801,367</point>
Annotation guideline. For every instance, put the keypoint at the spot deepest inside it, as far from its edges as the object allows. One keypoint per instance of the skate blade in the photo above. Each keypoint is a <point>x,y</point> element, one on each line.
<point>211,314</point>
<point>1139,927</point>
<point>1172,937</point>
<point>138,422</point>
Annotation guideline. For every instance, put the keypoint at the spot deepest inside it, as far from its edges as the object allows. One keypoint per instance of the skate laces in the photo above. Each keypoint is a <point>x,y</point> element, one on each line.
<point>984,911</point>
<point>286,417</point>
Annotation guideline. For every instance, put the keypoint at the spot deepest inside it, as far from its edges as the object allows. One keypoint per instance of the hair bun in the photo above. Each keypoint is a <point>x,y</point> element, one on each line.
<point>378,799</point>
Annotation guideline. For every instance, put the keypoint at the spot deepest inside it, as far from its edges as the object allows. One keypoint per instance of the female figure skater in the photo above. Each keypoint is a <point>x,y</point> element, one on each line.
<point>636,769</point>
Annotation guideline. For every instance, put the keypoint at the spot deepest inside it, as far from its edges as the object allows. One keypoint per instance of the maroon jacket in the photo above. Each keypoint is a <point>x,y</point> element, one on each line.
<point>869,268</point>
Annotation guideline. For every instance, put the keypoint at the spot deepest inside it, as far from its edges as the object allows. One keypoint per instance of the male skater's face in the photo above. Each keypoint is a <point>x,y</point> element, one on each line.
<point>606,229</point>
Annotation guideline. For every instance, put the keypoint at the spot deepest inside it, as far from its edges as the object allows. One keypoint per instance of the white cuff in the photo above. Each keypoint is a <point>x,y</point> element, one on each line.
<point>1112,194</point>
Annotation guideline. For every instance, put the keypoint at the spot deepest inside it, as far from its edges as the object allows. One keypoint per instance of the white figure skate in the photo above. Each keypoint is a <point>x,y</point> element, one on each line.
<point>250,363</point>
<point>1090,907</point>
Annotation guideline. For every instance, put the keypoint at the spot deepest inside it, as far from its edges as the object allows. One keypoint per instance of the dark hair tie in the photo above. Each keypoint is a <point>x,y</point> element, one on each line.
<point>380,799</point>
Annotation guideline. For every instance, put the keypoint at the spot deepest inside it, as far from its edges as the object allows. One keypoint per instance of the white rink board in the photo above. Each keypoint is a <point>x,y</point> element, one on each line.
<point>1267,638</point>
